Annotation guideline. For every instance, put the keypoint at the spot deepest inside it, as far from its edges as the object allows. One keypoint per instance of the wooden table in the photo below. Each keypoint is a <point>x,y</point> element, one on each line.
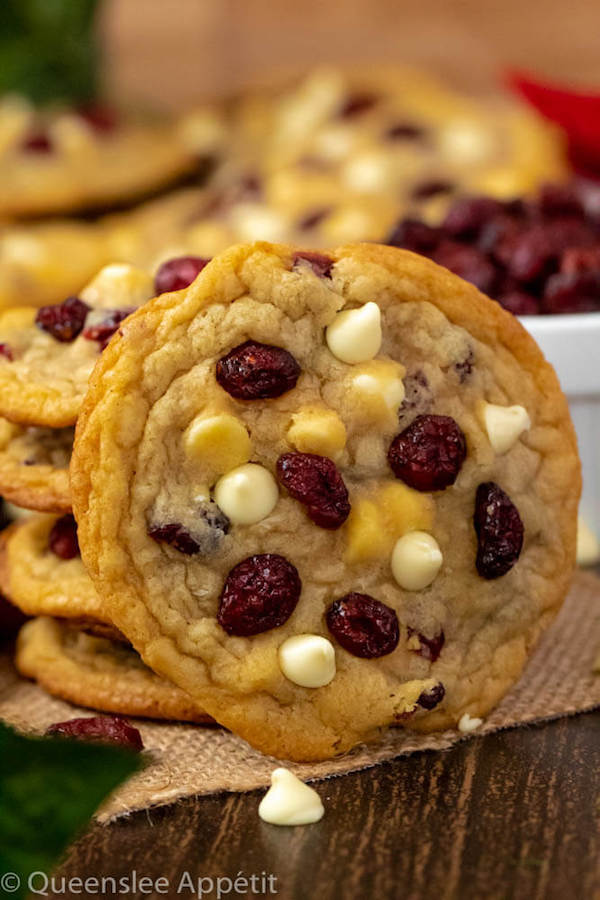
<point>514,814</point>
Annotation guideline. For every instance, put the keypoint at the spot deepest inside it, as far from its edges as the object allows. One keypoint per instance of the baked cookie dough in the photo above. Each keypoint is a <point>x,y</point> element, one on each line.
<point>47,355</point>
<point>324,493</point>
<point>67,160</point>
<point>34,466</point>
<point>340,155</point>
<point>41,572</point>
<point>98,673</point>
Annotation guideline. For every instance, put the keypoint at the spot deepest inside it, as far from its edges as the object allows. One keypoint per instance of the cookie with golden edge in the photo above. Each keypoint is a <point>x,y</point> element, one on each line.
<point>34,466</point>
<point>98,673</point>
<point>65,160</point>
<point>41,572</point>
<point>324,493</point>
<point>47,355</point>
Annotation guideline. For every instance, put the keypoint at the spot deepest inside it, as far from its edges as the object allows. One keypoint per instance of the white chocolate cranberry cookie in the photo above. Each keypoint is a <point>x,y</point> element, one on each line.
<point>98,673</point>
<point>69,160</point>
<point>295,503</point>
<point>47,355</point>
<point>41,572</point>
<point>34,466</point>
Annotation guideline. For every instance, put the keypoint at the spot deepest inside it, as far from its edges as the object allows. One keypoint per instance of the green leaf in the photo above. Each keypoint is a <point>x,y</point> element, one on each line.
<point>48,49</point>
<point>49,789</point>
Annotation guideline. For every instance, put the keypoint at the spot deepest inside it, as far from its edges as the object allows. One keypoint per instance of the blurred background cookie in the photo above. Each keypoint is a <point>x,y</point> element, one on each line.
<point>98,673</point>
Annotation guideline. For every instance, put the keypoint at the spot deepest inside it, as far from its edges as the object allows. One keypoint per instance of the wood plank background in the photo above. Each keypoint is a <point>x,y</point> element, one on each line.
<point>171,52</point>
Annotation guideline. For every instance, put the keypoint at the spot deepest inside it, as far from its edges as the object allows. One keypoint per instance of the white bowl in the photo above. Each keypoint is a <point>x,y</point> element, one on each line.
<point>571,343</point>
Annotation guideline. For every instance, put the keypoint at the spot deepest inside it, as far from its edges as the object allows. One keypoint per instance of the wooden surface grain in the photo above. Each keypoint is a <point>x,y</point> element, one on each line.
<point>509,816</point>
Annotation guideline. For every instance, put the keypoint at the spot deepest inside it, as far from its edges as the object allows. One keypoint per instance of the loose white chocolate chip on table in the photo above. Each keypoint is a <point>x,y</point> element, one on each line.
<point>219,442</point>
<point>469,723</point>
<point>354,336</point>
<point>119,284</point>
<point>588,547</point>
<point>308,660</point>
<point>247,494</point>
<point>289,801</point>
<point>416,560</point>
<point>317,430</point>
<point>504,425</point>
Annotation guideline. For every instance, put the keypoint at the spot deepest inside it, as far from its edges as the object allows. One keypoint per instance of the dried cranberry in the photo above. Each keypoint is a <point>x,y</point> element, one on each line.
<point>411,234</point>
<point>316,482</point>
<point>433,697</point>
<point>105,329</point>
<point>37,142</point>
<point>467,215</point>
<point>535,251</point>
<point>468,263</point>
<point>6,352</point>
<point>578,259</point>
<point>174,534</point>
<point>464,367</point>
<point>404,131</point>
<point>211,525</point>
<point>254,371</point>
<point>356,104</point>
<point>572,293</point>
<point>519,303</point>
<point>176,274</point>
<point>100,118</point>
<point>63,321</point>
<point>417,394</point>
<point>432,188</point>
<point>430,648</point>
<point>363,626</point>
<point>559,200</point>
<point>102,729</point>
<point>499,531</point>
<point>260,593</point>
<point>311,220</point>
<point>319,263</point>
<point>428,455</point>
<point>62,539</point>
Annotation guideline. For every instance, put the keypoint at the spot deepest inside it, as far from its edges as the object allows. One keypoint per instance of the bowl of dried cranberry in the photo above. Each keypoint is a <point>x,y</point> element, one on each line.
<point>540,259</point>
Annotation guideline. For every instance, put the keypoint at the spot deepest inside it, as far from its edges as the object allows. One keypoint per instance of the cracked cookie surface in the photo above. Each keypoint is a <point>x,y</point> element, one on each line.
<point>290,501</point>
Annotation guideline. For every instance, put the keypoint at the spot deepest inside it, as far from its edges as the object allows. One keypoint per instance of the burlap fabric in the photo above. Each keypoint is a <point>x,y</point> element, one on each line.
<point>185,760</point>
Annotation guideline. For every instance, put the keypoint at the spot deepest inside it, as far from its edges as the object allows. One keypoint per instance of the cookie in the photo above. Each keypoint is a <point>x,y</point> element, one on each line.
<point>41,572</point>
<point>340,155</point>
<point>47,355</point>
<point>42,263</point>
<point>323,493</point>
<point>68,160</point>
<point>34,466</point>
<point>98,673</point>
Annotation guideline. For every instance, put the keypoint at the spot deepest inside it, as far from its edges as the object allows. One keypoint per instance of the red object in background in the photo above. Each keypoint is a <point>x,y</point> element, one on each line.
<point>576,112</point>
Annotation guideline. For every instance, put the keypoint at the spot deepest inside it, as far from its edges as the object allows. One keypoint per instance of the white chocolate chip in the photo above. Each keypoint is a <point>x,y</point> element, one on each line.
<point>118,284</point>
<point>469,723</point>
<point>247,494</point>
<point>289,801</point>
<point>354,336</point>
<point>588,547</point>
<point>416,560</point>
<point>377,389</point>
<point>308,660</point>
<point>218,443</point>
<point>466,141</point>
<point>504,425</point>
<point>257,222</point>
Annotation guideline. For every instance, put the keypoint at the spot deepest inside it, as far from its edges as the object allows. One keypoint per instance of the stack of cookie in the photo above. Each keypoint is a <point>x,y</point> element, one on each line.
<point>319,493</point>
<point>70,646</point>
